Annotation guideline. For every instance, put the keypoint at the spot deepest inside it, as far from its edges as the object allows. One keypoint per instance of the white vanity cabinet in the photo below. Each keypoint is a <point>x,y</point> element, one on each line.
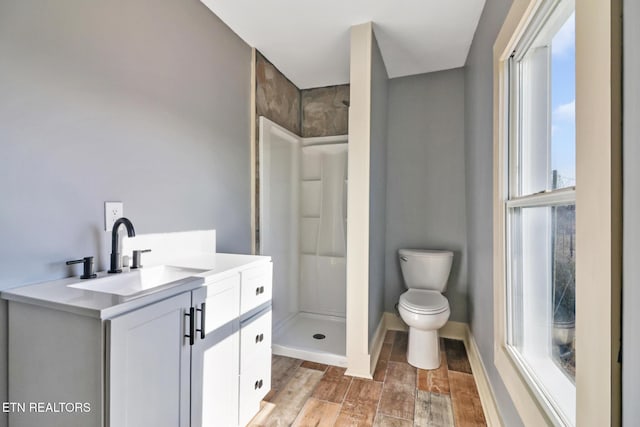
<point>198,358</point>
<point>175,363</point>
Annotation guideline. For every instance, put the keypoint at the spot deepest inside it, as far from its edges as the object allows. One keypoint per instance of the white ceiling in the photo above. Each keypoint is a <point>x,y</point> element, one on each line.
<point>309,41</point>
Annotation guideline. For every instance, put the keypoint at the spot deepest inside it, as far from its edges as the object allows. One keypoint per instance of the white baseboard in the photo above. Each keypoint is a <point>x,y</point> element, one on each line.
<point>393,322</point>
<point>455,331</point>
<point>487,398</point>
<point>376,345</point>
<point>460,331</point>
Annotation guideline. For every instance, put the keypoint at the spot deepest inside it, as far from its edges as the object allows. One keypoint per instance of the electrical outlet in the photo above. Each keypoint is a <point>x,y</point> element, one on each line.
<point>112,211</point>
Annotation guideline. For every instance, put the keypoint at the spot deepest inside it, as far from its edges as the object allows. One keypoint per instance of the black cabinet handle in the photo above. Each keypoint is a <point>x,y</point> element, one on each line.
<point>259,338</point>
<point>259,290</point>
<point>202,312</point>
<point>257,385</point>
<point>192,326</point>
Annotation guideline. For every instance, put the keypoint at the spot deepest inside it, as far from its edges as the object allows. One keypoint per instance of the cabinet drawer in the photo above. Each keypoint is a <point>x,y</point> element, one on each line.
<point>255,383</point>
<point>222,302</point>
<point>255,340</point>
<point>256,287</point>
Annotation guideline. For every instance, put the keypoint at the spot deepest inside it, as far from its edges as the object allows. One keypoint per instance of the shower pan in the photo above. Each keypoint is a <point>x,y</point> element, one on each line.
<point>302,226</point>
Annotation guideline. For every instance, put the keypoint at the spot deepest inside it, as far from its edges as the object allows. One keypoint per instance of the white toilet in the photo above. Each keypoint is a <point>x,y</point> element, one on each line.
<point>423,307</point>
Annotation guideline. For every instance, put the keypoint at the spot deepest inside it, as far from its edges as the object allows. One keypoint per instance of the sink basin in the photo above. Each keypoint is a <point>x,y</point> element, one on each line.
<point>138,281</point>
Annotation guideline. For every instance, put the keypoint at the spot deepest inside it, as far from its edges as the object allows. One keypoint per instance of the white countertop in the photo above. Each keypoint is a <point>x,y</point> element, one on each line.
<point>58,295</point>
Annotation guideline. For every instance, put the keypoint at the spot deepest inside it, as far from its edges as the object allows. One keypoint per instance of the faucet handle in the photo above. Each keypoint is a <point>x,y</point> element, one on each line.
<point>88,271</point>
<point>137,257</point>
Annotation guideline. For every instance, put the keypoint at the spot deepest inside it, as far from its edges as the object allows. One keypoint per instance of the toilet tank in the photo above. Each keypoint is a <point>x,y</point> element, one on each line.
<point>425,269</point>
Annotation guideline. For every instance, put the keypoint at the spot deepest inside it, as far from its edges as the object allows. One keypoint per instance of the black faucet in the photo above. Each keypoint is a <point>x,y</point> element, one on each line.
<point>115,252</point>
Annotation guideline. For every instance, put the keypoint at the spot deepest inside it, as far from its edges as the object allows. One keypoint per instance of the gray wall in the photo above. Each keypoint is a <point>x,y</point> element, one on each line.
<point>631,207</point>
<point>4,418</point>
<point>144,101</point>
<point>377,187</point>
<point>479,167</point>
<point>426,178</point>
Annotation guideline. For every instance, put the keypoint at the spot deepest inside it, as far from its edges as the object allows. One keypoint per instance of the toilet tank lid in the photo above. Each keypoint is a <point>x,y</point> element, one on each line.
<point>425,253</point>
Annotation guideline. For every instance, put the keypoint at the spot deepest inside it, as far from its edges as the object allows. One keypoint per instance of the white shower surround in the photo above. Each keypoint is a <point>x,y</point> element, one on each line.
<point>279,221</point>
<point>303,196</point>
<point>323,224</point>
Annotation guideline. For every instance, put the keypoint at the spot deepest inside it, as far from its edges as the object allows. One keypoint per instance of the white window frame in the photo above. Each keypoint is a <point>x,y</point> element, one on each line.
<point>546,380</point>
<point>598,206</point>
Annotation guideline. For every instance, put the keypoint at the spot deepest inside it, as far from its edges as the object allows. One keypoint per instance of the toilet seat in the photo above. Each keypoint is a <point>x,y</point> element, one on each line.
<point>423,301</point>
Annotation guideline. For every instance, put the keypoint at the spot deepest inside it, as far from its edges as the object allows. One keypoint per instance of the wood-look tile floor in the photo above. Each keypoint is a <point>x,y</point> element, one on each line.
<point>312,394</point>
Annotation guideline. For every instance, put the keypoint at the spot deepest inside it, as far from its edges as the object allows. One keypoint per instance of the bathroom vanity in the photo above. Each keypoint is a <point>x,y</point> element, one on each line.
<point>195,353</point>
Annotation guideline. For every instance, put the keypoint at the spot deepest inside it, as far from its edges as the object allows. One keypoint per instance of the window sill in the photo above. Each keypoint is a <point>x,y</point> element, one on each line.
<point>525,400</point>
<point>557,385</point>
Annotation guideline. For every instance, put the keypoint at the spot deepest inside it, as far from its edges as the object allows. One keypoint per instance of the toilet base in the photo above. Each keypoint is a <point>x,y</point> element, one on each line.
<point>423,350</point>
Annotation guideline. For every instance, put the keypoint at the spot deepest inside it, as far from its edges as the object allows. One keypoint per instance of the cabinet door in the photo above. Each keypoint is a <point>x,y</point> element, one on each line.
<point>148,366</point>
<point>215,361</point>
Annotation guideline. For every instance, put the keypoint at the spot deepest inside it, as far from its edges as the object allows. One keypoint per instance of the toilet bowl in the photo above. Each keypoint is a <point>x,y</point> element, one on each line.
<point>423,307</point>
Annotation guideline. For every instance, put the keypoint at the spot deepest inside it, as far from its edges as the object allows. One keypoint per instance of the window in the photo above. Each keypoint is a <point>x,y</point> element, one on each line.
<point>557,236</point>
<point>540,209</point>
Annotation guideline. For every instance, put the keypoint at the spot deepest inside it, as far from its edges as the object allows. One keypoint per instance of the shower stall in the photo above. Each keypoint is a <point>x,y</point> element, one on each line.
<point>302,224</point>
